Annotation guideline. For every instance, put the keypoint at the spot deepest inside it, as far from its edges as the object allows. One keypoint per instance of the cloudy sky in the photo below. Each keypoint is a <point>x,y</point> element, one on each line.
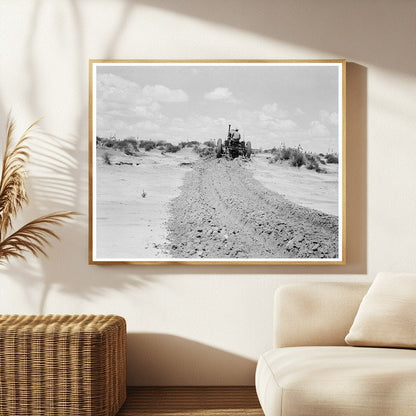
<point>270,104</point>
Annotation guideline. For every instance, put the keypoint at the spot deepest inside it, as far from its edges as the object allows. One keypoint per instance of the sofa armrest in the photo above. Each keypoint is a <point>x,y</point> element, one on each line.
<point>315,313</point>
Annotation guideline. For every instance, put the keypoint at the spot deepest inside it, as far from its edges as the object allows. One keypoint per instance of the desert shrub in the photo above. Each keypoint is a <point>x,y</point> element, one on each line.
<point>170,148</point>
<point>313,162</point>
<point>297,158</point>
<point>274,159</point>
<point>286,153</point>
<point>128,143</point>
<point>107,159</point>
<point>282,153</point>
<point>331,158</point>
<point>128,149</point>
<point>209,143</point>
<point>127,146</point>
<point>109,143</point>
<point>205,151</point>
<point>191,143</point>
<point>149,146</point>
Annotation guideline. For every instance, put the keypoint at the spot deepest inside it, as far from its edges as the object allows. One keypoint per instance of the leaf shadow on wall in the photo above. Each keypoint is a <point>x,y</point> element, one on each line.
<point>60,182</point>
<point>164,359</point>
<point>275,20</point>
<point>337,28</point>
<point>54,186</point>
<point>66,185</point>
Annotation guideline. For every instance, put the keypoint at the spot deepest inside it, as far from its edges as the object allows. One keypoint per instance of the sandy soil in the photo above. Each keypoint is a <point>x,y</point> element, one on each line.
<point>130,226</point>
<point>305,187</point>
<point>229,214</point>
<point>177,205</point>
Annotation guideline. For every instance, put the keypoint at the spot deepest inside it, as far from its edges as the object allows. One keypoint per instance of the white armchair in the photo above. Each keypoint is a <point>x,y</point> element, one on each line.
<point>311,371</point>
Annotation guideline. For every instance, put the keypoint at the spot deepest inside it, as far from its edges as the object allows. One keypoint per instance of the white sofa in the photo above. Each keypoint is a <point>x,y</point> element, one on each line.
<point>311,371</point>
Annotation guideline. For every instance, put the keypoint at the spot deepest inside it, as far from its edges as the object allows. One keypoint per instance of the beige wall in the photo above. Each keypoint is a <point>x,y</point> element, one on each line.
<point>205,325</point>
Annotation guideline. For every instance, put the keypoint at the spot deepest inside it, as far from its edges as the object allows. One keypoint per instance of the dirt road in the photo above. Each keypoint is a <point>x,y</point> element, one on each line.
<point>223,212</point>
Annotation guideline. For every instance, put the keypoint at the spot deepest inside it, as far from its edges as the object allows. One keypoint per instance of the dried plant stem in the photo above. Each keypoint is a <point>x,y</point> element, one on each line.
<point>34,236</point>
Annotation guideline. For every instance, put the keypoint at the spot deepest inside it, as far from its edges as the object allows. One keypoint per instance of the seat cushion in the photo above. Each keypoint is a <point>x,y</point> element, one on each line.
<point>341,381</point>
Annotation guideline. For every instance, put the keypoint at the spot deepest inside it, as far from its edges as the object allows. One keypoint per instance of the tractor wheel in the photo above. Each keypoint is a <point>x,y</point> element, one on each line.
<point>248,150</point>
<point>219,148</point>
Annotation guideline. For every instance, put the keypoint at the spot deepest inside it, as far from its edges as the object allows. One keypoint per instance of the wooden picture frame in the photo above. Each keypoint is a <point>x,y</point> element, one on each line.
<point>172,181</point>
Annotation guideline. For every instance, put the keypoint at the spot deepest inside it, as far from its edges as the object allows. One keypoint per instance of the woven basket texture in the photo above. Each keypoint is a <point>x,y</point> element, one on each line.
<point>62,365</point>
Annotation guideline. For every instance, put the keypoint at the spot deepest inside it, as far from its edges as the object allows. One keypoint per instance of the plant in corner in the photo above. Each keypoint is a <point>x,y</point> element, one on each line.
<point>34,236</point>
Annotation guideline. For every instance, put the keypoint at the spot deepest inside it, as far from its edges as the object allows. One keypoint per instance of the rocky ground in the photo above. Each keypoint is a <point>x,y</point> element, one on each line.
<point>223,212</point>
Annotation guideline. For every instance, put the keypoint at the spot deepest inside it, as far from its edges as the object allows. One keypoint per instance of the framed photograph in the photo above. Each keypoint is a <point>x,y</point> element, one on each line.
<point>217,162</point>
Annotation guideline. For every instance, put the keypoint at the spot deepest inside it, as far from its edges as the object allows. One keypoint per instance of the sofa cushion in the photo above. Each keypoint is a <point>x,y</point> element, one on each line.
<point>387,314</point>
<point>342,381</point>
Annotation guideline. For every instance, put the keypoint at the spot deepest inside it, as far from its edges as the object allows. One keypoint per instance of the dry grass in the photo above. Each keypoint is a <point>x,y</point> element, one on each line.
<point>297,157</point>
<point>34,236</point>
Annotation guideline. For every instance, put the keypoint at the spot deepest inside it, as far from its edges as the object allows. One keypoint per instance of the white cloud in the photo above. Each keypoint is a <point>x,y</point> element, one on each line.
<point>221,94</point>
<point>114,92</point>
<point>272,118</point>
<point>328,118</point>
<point>147,111</point>
<point>114,81</point>
<point>274,111</point>
<point>164,94</point>
<point>178,122</point>
<point>147,125</point>
<point>317,129</point>
<point>278,125</point>
<point>125,107</point>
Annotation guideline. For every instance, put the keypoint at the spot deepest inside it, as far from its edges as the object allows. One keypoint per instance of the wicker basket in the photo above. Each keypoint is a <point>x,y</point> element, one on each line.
<point>54,365</point>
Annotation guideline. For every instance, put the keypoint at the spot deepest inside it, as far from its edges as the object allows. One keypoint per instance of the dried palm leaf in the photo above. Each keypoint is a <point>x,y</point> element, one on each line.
<point>12,182</point>
<point>33,237</point>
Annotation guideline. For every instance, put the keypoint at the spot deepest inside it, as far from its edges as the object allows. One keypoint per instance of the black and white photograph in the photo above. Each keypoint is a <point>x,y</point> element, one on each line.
<point>217,162</point>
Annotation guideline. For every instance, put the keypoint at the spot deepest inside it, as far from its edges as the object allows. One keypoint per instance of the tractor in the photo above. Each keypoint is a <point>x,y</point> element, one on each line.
<point>233,147</point>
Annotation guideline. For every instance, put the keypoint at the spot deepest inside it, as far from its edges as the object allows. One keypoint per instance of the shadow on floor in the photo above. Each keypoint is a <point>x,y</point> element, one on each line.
<point>168,360</point>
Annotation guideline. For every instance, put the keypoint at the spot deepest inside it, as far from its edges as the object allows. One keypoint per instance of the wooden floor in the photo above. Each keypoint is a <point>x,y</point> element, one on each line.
<point>191,401</point>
